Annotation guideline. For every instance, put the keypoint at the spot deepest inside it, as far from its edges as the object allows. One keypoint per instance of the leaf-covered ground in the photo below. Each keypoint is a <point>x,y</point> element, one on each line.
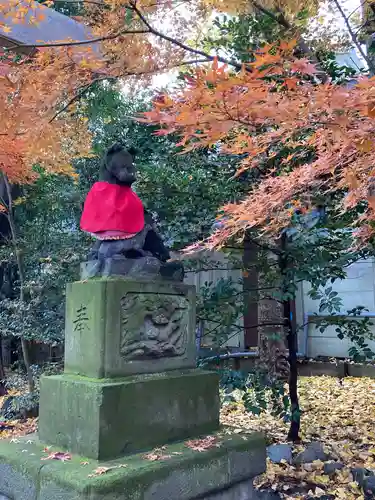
<point>16,428</point>
<point>340,415</point>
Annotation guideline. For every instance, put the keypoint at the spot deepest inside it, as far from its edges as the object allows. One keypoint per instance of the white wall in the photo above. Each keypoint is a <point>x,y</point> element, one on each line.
<point>357,290</point>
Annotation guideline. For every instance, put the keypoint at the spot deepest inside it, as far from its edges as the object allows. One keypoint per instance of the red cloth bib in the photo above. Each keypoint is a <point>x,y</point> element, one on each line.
<point>109,207</point>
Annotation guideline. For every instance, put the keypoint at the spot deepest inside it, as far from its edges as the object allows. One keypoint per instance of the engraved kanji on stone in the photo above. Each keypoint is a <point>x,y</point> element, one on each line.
<point>80,323</point>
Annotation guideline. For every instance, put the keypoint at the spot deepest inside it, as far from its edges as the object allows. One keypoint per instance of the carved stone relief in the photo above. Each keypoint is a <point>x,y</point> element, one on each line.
<point>153,326</point>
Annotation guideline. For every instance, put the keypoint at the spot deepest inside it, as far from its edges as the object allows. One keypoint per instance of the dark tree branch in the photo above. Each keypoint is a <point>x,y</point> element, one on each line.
<point>183,46</point>
<point>302,45</point>
<point>83,90</point>
<point>354,36</point>
<point>79,42</point>
<point>17,251</point>
<point>280,19</point>
<point>93,2</point>
<point>265,323</point>
<point>150,30</point>
<point>102,4</point>
<point>357,8</point>
<point>77,97</point>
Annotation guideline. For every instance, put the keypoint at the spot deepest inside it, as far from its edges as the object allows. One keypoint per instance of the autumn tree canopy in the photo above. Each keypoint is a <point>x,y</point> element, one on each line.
<point>277,103</point>
<point>41,83</point>
<point>248,108</point>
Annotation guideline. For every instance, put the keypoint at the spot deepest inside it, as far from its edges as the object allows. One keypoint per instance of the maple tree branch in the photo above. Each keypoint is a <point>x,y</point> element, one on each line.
<point>77,97</point>
<point>150,30</point>
<point>79,42</point>
<point>103,4</point>
<point>354,36</point>
<point>183,46</point>
<point>6,134</point>
<point>93,2</point>
<point>279,19</point>
<point>283,21</point>
<point>157,70</point>
<point>83,90</point>
<point>230,116</point>
<point>357,8</point>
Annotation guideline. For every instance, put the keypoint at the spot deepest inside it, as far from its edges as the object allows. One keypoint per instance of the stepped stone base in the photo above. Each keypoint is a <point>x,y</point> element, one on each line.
<point>107,418</point>
<point>222,472</point>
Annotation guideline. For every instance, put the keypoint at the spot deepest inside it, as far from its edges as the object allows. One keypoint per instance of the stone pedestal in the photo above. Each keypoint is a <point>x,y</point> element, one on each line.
<point>109,418</point>
<point>131,384</point>
<point>119,327</point>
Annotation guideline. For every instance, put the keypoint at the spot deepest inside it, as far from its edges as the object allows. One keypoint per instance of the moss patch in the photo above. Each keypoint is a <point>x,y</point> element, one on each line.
<point>185,471</point>
<point>104,419</point>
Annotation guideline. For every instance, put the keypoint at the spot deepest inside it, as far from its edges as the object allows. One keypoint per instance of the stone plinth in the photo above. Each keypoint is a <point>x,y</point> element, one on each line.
<point>104,419</point>
<point>130,380</point>
<point>130,385</point>
<point>120,327</point>
<point>222,472</point>
<point>131,268</point>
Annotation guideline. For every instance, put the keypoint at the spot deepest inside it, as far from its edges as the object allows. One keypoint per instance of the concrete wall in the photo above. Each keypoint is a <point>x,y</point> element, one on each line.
<point>199,278</point>
<point>358,289</point>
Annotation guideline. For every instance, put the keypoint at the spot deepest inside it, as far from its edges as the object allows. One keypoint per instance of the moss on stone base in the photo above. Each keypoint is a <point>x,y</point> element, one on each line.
<point>104,419</point>
<point>181,474</point>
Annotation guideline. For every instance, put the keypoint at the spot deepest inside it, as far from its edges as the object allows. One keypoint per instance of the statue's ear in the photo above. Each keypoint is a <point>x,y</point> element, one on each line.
<point>115,148</point>
<point>133,151</point>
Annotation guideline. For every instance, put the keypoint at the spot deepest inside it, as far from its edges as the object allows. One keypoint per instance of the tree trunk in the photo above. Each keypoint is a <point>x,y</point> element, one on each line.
<point>368,30</point>
<point>26,359</point>
<point>272,346</point>
<point>24,342</point>
<point>250,297</point>
<point>3,390</point>
<point>293,434</point>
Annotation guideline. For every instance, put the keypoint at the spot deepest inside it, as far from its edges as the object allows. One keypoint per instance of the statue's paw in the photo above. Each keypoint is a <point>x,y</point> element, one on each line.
<point>172,271</point>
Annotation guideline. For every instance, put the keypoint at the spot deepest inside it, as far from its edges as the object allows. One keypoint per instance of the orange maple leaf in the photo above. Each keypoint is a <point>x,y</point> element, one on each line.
<point>291,83</point>
<point>203,444</point>
<point>303,66</point>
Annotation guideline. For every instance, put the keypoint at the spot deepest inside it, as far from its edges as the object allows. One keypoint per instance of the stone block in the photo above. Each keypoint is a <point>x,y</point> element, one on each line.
<point>17,484</point>
<point>313,451</point>
<point>317,368</point>
<point>182,473</point>
<point>277,453</point>
<point>135,268</point>
<point>361,370</point>
<point>244,490</point>
<point>119,327</point>
<point>147,267</point>
<point>103,419</point>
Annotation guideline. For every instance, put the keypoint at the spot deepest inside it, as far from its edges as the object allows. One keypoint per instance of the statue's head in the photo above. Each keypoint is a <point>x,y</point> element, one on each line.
<point>118,166</point>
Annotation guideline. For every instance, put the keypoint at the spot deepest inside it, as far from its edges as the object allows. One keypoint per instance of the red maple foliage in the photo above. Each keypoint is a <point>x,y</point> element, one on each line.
<point>277,101</point>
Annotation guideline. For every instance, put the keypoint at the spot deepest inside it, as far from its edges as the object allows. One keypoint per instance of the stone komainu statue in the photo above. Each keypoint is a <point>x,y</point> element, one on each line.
<point>127,241</point>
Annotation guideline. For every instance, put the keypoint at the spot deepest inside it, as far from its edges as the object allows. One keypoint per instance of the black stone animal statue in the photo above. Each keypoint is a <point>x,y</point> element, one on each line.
<point>127,241</point>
